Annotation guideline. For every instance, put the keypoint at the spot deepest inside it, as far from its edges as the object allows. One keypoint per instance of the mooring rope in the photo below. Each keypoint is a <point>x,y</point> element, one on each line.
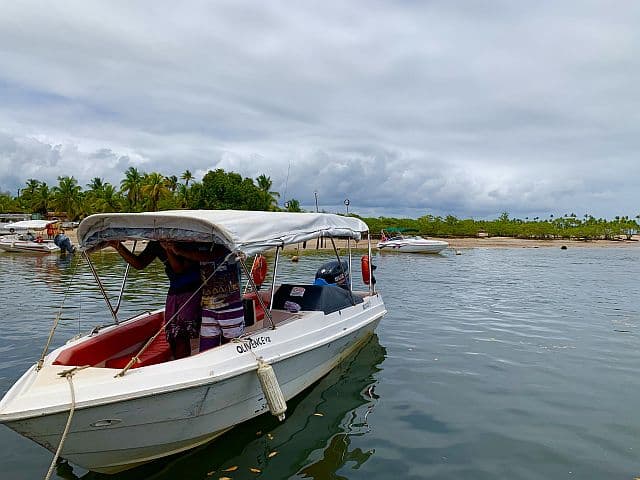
<point>58,316</point>
<point>68,374</point>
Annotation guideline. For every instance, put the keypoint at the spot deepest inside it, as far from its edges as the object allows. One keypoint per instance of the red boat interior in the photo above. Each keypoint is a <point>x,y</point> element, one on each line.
<point>116,347</point>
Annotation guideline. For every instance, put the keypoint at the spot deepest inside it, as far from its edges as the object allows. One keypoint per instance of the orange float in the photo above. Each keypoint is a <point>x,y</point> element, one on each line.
<point>259,270</point>
<point>366,269</point>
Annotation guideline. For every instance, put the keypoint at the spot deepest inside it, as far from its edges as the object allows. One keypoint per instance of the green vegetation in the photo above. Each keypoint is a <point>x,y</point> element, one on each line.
<point>567,226</point>
<point>140,191</point>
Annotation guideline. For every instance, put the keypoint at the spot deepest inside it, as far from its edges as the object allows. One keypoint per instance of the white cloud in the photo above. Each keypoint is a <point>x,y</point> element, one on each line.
<point>444,107</point>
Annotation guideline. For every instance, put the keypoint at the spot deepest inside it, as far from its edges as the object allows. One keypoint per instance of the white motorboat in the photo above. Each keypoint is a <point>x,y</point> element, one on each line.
<point>410,244</point>
<point>20,243</point>
<point>7,219</point>
<point>107,404</point>
<point>20,238</point>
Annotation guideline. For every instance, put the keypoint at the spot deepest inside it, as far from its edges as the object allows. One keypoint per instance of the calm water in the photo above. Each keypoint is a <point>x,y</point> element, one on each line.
<point>505,363</point>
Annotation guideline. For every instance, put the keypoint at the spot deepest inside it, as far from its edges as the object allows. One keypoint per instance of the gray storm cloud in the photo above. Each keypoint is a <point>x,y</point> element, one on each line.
<point>402,107</point>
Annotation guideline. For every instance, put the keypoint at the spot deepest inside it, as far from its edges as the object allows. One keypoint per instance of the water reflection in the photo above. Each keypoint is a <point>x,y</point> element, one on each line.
<point>313,442</point>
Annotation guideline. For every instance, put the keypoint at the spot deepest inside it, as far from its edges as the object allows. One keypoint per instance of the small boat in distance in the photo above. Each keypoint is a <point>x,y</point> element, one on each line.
<point>21,239</point>
<point>7,219</point>
<point>400,242</point>
<point>115,397</point>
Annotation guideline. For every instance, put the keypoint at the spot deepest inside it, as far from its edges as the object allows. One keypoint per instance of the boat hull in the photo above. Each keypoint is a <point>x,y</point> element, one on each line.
<point>21,246</point>
<point>115,436</point>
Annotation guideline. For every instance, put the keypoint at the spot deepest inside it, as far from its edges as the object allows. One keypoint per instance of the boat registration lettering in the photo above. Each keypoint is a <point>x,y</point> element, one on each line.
<point>253,343</point>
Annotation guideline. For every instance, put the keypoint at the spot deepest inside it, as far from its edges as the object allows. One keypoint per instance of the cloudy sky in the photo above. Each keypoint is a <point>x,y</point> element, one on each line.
<point>406,108</point>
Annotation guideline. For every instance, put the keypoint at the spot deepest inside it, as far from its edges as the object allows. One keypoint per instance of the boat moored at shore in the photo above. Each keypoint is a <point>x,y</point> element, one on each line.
<point>21,239</point>
<point>410,244</point>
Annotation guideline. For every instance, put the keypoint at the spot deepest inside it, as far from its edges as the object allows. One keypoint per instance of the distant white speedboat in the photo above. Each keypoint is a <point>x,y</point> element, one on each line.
<point>410,244</point>
<point>21,239</point>
<point>115,398</point>
<point>20,244</point>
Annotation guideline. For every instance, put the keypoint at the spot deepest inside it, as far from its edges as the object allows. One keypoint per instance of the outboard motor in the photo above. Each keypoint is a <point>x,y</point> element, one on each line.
<point>334,274</point>
<point>62,241</point>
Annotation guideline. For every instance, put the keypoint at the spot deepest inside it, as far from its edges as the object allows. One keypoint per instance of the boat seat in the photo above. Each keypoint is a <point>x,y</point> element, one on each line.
<point>327,299</point>
<point>108,344</point>
<point>158,351</point>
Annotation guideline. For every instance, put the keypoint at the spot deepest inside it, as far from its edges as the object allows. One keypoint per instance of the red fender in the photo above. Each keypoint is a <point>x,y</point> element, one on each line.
<point>366,269</point>
<point>259,270</point>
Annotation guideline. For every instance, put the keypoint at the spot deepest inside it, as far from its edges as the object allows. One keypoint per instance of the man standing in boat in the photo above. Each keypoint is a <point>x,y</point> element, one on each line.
<point>222,309</point>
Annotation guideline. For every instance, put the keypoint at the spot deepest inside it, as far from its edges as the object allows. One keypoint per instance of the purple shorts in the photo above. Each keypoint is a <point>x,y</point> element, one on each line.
<point>186,324</point>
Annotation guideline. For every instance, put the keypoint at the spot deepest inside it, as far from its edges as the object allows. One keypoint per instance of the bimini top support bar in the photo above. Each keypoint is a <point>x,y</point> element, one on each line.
<point>371,288</point>
<point>335,250</point>
<point>101,287</point>
<point>273,280</point>
<point>267,312</point>
<point>124,282</point>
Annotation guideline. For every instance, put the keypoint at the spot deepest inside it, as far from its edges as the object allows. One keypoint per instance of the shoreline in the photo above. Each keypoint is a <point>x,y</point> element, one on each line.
<point>466,243</point>
<point>509,242</point>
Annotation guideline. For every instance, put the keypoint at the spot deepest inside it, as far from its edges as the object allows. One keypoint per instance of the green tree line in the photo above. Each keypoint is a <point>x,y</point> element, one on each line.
<point>140,191</point>
<point>562,227</point>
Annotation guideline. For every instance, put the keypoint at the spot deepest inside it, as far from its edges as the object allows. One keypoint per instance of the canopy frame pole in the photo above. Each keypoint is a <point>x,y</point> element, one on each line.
<point>335,250</point>
<point>371,290</point>
<point>273,280</point>
<point>246,287</point>
<point>114,314</point>
<point>255,289</point>
<point>124,281</point>
<point>350,265</point>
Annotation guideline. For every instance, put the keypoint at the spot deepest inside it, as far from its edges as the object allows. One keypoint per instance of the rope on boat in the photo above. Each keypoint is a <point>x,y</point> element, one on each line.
<point>136,358</point>
<point>255,259</point>
<point>68,374</point>
<point>58,315</point>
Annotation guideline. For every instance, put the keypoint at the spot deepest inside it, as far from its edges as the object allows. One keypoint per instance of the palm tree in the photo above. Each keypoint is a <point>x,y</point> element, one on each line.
<point>67,196</point>
<point>32,186</point>
<point>172,183</point>
<point>154,188</point>
<point>40,199</point>
<point>109,200</point>
<point>264,184</point>
<point>131,185</point>
<point>7,204</point>
<point>182,196</point>
<point>183,189</point>
<point>93,195</point>
<point>96,184</point>
<point>187,177</point>
<point>28,193</point>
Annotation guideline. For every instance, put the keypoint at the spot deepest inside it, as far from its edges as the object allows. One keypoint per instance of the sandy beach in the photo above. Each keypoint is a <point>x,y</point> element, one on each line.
<point>463,243</point>
<point>508,242</point>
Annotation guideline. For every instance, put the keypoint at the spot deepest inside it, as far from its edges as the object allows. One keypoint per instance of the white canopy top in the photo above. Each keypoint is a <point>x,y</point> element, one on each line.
<point>245,231</point>
<point>29,225</point>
